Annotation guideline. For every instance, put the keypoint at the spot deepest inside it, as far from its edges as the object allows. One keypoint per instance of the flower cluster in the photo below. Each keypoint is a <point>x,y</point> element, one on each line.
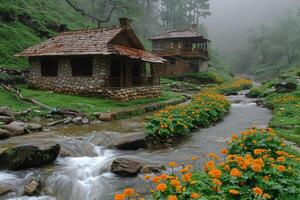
<point>256,165</point>
<point>128,194</point>
<point>234,86</point>
<point>284,99</point>
<point>204,109</point>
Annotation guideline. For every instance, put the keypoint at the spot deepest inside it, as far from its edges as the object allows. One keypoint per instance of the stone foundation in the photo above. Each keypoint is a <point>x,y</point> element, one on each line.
<point>127,94</point>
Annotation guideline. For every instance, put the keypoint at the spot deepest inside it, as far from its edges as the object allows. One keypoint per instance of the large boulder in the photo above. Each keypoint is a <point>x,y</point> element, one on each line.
<point>24,157</point>
<point>126,167</point>
<point>130,142</point>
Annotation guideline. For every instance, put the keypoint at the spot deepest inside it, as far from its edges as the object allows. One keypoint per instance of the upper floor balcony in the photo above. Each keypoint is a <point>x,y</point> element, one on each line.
<point>183,52</point>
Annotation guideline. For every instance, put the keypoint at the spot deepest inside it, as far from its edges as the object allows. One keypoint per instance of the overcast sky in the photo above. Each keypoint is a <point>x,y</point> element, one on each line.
<point>231,20</point>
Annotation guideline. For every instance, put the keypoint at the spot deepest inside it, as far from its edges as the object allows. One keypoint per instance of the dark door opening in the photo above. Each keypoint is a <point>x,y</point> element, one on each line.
<point>116,74</point>
<point>136,74</point>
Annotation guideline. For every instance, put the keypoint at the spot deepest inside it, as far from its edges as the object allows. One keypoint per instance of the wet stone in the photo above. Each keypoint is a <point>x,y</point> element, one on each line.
<point>131,142</point>
<point>4,134</point>
<point>16,128</point>
<point>6,119</point>
<point>4,190</point>
<point>125,167</point>
<point>5,111</point>
<point>33,188</point>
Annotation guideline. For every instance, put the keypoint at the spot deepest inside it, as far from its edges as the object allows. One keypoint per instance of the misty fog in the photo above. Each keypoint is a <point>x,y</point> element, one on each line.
<point>231,21</point>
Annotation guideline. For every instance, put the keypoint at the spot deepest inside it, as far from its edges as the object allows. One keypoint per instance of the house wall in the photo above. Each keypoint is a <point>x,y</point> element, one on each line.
<point>180,67</point>
<point>65,82</point>
<point>95,85</point>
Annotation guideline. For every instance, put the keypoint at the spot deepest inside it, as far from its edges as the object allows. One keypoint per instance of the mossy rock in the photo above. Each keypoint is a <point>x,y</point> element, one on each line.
<point>25,157</point>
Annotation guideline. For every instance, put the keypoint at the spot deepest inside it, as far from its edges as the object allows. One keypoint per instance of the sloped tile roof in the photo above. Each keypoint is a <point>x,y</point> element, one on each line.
<point>83,42</point>
<point>177,34</point>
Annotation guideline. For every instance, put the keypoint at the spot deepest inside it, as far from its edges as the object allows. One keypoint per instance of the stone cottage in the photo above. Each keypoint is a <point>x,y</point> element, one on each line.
<point>185,51</point>
<point>107,61</point>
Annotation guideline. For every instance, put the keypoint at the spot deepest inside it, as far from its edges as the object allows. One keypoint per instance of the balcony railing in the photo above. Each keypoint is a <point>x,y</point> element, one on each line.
<point>185,52</point>
<point>118,82</point>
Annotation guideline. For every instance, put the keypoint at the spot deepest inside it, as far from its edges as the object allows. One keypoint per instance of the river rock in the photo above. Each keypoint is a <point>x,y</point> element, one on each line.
<point>33,127</point>
<point>4,190</point>
<point>131,142</point>
<point>4,134</point>
<point>6,119</point>
<point>54,123</point>
<point>5,111</point>
<point>148,169</point>
<point>125,167</point>
<point>24,157</point>
<point>16,128</point>
<point>33,188</point>
<point>107,117</point>
<point>67,120</point>
<point>285,87</point>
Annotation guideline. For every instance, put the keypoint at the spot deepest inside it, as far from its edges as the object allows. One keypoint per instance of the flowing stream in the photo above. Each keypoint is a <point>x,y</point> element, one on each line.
<point>83,174</point>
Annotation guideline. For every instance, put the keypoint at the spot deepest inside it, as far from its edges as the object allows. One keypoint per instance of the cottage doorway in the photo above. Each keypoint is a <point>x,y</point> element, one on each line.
<point>116,73</point>
<point>136,74</point>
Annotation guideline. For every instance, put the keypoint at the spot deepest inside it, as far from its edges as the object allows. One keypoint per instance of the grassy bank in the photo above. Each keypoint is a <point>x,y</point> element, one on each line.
<point>284,104</point>
<point>87,105</point>
<point>256,165</point>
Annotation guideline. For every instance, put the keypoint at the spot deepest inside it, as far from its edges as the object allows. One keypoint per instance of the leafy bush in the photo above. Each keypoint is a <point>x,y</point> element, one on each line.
<point>199,78</point>
<point>256,165</point>
<point>175,121</point>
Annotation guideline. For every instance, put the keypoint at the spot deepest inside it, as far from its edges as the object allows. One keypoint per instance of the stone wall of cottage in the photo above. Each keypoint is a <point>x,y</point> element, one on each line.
<point>127,94</point>
<point>65,82</point>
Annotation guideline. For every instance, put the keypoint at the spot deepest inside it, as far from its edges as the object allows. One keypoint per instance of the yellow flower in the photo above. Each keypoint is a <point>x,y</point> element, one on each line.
<point>161,187</point>
<point>195,195</point>
<point>172,164</point>
<point>119,197</point>
<point>147,177</point>
<point>194,158</point>
<point>128,192</point>
<point>233,192</point>
<point>257,191</point>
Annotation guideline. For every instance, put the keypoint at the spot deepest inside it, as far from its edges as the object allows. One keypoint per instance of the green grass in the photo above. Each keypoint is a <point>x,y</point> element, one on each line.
<point>286,113</point>
<point>84,104</point>
<point>15,36</point>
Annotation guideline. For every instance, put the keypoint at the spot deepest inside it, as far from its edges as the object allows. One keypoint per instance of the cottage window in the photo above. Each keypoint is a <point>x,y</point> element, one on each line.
<point>82,66</point>
<point>49,67</point>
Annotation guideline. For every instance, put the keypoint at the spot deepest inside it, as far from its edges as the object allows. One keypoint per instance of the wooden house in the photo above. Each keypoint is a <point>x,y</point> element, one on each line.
<point>106,61</point>
<point>185,51</point>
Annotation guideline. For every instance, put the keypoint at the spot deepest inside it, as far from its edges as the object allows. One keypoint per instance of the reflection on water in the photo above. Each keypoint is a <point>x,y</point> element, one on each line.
<point>85,175</point>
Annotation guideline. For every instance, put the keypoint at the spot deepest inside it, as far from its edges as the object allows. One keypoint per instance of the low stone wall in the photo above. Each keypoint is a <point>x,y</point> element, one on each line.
<point>13,76</point>
<point>127,94</point>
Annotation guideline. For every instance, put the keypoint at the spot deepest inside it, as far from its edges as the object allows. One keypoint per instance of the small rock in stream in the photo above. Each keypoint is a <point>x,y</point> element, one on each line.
<point>4,190</point>
<point>16,128</point>
<point>33,188</point>
<point>67,120</point>
<point>125,167</point>
<point>6,119</point>
<point>24,157</point>
<point>5,111</point>
<point>54,123</point>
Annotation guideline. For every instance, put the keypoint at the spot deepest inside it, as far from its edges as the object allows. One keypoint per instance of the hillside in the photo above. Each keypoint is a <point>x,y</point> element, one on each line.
<point>24,23</point>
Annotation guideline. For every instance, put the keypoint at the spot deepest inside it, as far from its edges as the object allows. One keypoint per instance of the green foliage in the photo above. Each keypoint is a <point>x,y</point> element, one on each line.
<point>199,78</point>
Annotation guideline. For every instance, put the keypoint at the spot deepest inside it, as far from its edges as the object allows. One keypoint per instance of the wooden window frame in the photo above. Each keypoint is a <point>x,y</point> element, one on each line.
<point>82,66</point>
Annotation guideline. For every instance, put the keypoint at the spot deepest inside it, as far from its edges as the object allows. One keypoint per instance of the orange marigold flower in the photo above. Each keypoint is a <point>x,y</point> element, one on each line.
<point>235,172</point>
<point>256,167</point>
<point>175,183</point>
<point>217,182</point>
<point>161,187</point>
<point>266,196</point>
<point>233,192</point>
<point>187,177</point>
<point>281,168</point>
<point>156,179</point>
<point>280,159</point>
<point>215,173</point>
<point>257,191</point>
<point>234,136</point>
<point>172,164</point>
<point>120,197</point>
<point>224,151</point>
<point>164,176</point>
<point>195,195</point>
<point>184,170</point>
<point>266,178</point>
<point>128,192</point>
<point>172,197</point>
<point>227,168</point>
